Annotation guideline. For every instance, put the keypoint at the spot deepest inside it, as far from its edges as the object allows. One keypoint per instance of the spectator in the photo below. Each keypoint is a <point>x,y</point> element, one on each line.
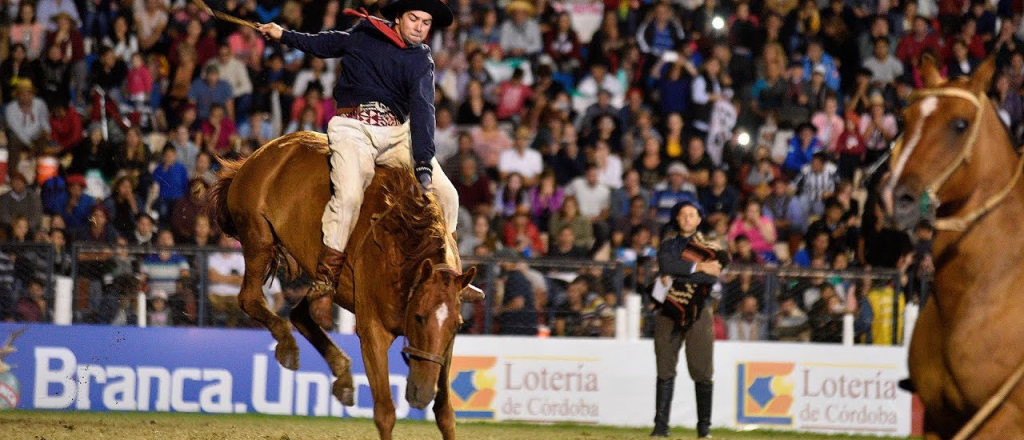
<point>523,236</point>
<point>517,314</point>
<point>211,90</point>
<point>815,183</point>
<point>511,196</point>
<point>519,36</point>
<point>67,130</point>
<point>748,324</point>
<point>235,74</point>
<point>28,121</point>
<point>569,216</point>
<point>756,226</point>
<point>802,147</point>
<point>163,268</point>
<point>584,313</point>
<point>159,314</point>
<point>475,193</point>
<point>187,208</point>
<point>20,201</point>
<point>545,200</point>
<point>826,317</point>
<point>32,306</point>
<point>661,32</point>
<point>651,164</point>
<point>562,44</point>
<point>704,91</point>
<point>719,199</point>
<point>609,165</point>
<point>884,67</point>
<point>565,246</point>
<point>790,323</point>
<point>592,85</point>
<point>566,158</point>
<point>143,234</point>
<point>122,39</point>
<point>622,197</point>
<point>850,148</point>
<point>817,248</point>
<point>55,82</point>
<point>594,200</point>
<point>204,170</point>
<point>878,128</point>
<point>917,41</point>
<point>225,274</point>
<point>472,109</point>
<point>520,159</point>
<point>150,22</point>
<point>93,154</point>
<point>173,180</point>
<point>79,204</point>
<point>676,189</point>
<point>124,205</point>
<point>489,141</point>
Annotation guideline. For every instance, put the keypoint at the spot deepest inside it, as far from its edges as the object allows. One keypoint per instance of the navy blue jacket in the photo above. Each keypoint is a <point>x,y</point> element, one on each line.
<point>375,69</point>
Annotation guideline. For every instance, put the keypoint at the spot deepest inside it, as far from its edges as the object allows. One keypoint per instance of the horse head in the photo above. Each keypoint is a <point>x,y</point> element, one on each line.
<point>935,166</point>
<point>433,316</point>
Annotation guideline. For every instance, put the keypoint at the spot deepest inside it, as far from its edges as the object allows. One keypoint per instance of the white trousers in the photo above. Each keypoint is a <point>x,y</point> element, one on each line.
<point>356,149</point>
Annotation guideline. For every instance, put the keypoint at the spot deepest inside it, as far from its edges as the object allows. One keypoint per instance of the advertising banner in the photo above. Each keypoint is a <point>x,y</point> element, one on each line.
<point>98,368</point>
<point>806,387</point>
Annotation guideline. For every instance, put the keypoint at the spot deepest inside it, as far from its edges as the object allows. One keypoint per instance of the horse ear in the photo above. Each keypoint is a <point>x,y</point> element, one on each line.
<point>469,292</point>
<point>981,79</point>
<point>929,72</point>
<point>426,269</point>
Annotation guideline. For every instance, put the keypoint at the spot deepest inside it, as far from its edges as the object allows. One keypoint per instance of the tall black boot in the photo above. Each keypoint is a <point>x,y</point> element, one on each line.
<point>663,406</point>
<point>704,393</point>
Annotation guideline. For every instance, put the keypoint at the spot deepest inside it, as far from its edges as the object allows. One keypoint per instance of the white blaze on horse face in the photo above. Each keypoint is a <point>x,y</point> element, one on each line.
<point>927,107</point>
<point>441,314</point>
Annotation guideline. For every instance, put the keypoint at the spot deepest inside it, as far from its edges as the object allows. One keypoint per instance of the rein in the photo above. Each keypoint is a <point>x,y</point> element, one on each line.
<point>961,223</point>
<point>931,192</point>
<point>408,351</point>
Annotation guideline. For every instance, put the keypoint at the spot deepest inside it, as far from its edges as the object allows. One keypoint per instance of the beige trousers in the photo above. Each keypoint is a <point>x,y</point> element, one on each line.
<point>356,149</point>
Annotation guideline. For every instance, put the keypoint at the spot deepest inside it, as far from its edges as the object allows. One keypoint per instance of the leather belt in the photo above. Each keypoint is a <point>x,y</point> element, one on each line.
<point>371,113</point>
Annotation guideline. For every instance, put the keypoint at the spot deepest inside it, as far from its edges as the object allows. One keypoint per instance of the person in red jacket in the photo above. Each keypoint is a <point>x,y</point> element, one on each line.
<point>917,41</point>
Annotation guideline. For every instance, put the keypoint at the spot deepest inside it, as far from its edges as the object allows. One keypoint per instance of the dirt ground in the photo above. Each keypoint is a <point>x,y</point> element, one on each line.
<point>38,425</point>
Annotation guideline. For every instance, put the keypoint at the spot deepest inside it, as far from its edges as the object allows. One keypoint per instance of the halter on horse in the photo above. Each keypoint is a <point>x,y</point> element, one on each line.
<point>938,360</point>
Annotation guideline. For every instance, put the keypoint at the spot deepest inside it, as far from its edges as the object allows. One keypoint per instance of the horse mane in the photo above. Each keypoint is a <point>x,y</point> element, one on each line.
<point>415,222</point>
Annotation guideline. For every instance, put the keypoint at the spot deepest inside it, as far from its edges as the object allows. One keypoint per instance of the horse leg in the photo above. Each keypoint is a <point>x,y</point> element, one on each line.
<point>374,340</point>
<point>443,411</point>
<point>337,360</point>
<point>258,249</point>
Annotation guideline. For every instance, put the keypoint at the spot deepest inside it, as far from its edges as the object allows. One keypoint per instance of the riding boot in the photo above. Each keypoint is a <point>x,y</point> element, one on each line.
<point>321,294</point>
<point>704,391</point>
<point>662,406</point>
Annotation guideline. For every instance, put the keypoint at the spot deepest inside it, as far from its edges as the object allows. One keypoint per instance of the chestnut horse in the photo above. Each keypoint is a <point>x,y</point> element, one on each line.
<point>956,159</point>
<point>403,276</point>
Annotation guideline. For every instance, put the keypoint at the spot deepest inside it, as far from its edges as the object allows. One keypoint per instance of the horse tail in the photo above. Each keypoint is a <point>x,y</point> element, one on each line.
<point>218,198</point>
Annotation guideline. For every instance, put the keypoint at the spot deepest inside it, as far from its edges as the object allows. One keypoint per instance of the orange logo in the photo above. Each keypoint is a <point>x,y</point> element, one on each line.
<point>472,384</point>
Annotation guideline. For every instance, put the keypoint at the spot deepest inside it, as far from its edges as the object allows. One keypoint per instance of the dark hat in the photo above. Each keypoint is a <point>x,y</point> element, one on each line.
<point>437,9</point>
<point>806,125</point>
<point>76,179</point>
<point>679,207</point>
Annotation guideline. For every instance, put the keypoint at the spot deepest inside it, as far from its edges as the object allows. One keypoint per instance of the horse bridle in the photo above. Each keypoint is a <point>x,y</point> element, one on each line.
<point>931,192</point>
<point>409,351</point>
<point>961,223</point>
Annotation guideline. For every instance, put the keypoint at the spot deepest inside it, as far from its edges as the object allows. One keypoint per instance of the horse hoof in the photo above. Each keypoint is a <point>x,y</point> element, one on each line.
<point>345,395</point>
<point>287,354</point>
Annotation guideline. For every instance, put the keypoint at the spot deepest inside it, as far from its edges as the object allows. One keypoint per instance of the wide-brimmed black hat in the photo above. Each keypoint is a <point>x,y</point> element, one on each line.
<point>438,10</point>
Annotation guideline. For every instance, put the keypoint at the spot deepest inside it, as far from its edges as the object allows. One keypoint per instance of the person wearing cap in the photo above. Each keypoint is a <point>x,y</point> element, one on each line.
<point>385,98</point>
<point>519,36</point>
<point>690,264</point>
<point>28,120</point>
<point>79,204</point>
<point>675,189</point>
<point>20,201</point>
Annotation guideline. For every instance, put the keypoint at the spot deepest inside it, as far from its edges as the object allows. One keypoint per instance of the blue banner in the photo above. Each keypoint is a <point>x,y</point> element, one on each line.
<point>197,370</point>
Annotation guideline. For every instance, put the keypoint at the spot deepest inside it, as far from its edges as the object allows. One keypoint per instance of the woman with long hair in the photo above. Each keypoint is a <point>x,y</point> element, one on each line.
<point>545,199</point>
<point>28,31</point>
<point>570,216</point>
<point>511,196</point>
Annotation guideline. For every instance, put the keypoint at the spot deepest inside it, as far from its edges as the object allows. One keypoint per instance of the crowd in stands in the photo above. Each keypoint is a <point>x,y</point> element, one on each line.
<point>565,140</point>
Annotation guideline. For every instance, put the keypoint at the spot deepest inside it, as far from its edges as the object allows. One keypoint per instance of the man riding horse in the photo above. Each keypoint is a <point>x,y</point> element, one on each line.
<point>385,96</point>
